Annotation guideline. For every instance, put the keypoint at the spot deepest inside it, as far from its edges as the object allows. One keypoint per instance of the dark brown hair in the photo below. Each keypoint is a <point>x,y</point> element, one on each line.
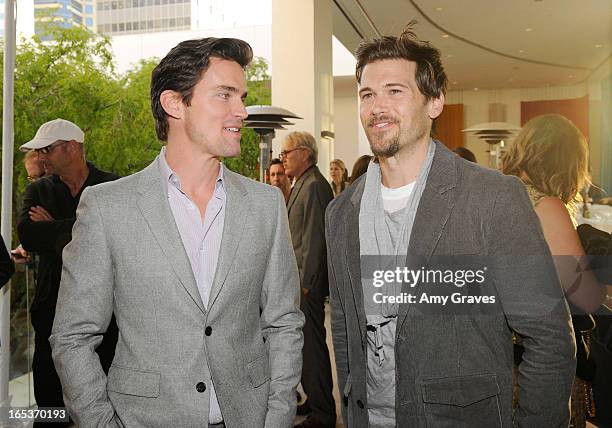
<point>360,167</point>
<point>430,76</point>
<point>466,154</point>
<point>183,68</point>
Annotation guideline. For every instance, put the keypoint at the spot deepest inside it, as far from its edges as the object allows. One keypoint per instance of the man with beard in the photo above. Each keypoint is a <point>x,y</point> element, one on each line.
<point>45,227</point>
<point>401,364</point>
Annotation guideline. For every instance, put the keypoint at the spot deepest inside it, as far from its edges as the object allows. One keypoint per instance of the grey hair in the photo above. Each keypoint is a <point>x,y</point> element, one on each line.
<point>304,140</point>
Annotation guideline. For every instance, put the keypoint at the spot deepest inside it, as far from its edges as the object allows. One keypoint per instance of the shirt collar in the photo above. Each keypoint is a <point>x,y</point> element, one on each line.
<point>169,176</point>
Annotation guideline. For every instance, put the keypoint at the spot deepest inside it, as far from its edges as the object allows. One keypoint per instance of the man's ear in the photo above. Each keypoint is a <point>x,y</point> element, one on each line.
<point>172,104</point>
<point>436,105</point>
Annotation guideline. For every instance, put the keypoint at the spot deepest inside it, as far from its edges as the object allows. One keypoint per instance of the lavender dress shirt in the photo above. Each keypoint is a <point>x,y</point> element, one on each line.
<point>202,240</point>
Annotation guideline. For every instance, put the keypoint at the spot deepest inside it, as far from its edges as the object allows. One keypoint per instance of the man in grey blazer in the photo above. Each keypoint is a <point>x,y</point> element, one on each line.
<point>414,363</point>
<point>310,195</point>
<point>194,260</point>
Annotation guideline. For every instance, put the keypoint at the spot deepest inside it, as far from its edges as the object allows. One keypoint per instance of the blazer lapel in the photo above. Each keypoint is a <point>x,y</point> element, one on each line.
<point>297,187</point>
<point>236,208</point>
<point>353,259</point>
<point>156,211</point>
<point>434,209</point>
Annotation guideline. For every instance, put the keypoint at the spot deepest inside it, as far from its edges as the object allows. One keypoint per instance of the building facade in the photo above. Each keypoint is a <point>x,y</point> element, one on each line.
<point>118,17</point>
<point>64,13</point>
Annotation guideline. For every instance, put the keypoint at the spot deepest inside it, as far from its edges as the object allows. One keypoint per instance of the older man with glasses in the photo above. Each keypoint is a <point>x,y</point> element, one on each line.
<point>45,227</point>
<point>306,208</point>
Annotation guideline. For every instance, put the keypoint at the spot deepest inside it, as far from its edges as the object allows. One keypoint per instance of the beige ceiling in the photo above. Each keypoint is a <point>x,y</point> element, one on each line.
<point>493,43</point>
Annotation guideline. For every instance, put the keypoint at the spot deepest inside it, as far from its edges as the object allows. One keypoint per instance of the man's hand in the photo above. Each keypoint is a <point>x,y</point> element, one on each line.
<point>38,213</point>
<point>20,256</point>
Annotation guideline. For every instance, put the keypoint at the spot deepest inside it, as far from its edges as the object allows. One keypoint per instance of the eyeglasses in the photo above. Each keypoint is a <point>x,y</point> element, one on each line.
<point>50,148</point>
<point>284,153</point>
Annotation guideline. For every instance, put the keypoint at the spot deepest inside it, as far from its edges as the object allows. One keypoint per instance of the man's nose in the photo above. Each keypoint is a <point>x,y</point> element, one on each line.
<point>379,105</point>
<point>241,111</point>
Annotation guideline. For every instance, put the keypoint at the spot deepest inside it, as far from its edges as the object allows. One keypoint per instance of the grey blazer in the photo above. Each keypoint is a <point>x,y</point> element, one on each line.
<point>456,370</point>
<point>126,256</point>
<point>306,208</point>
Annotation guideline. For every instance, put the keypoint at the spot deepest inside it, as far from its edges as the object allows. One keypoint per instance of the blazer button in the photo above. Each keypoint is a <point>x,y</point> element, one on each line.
<point>201,387</point>
<point>360,404</point>
<point>208,331</point>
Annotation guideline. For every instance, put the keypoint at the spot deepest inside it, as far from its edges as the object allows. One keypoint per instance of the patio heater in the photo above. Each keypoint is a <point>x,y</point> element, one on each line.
<point>496,134</point>
<point>265,120</point>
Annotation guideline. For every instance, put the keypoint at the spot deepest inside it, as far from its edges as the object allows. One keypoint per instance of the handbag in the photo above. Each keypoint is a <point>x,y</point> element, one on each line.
<point>598,246</point>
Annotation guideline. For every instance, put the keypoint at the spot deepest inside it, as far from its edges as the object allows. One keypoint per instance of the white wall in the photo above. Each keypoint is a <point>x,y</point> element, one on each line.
<point>350,140</point>
<point>476,110</point>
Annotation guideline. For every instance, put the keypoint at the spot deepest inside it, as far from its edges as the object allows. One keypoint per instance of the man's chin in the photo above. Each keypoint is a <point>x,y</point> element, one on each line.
<point>384,150</point>
<point>232,153</point>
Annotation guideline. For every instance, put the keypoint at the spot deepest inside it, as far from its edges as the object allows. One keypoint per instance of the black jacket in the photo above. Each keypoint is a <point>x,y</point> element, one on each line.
<point>48,238</point>
<point>6,265</point>
<point>306,208</point>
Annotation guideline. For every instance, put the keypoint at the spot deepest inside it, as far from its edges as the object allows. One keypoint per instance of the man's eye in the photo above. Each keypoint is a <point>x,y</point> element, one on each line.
<point>366,96</point>
<point>395,91</point>
<point>224,95</point>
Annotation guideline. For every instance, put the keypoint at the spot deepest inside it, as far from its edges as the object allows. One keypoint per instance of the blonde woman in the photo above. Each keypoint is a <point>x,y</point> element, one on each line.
<point>550,155</point>
<point>338,174</point>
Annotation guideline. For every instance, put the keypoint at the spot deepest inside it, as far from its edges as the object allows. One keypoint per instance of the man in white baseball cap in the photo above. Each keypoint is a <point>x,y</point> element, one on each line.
<point>45,227</point>
<point>52,132</point>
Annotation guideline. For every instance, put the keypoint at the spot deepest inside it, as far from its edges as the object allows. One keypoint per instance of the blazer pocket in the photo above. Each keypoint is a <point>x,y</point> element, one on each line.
<point>462,401</point>
<point>128,381</point>
<point>259,371</point>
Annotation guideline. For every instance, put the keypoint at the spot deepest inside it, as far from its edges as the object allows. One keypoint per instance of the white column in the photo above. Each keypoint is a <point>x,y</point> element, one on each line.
<point>7,197</point>
<point>302,79</point>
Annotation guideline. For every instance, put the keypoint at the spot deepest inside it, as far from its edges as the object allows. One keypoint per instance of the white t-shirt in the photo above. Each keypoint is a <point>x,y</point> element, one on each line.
<point>396,199</point>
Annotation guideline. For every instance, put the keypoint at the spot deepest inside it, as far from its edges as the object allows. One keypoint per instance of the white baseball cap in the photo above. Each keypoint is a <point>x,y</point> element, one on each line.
<point>50,132</point>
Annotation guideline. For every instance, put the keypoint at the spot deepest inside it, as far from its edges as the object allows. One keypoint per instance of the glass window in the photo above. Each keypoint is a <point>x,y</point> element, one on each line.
<point>77,6</point>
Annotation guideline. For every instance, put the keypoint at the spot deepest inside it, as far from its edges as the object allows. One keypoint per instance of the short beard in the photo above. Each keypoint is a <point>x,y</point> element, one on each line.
<point>389,150</point>
<point>403,140</point>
